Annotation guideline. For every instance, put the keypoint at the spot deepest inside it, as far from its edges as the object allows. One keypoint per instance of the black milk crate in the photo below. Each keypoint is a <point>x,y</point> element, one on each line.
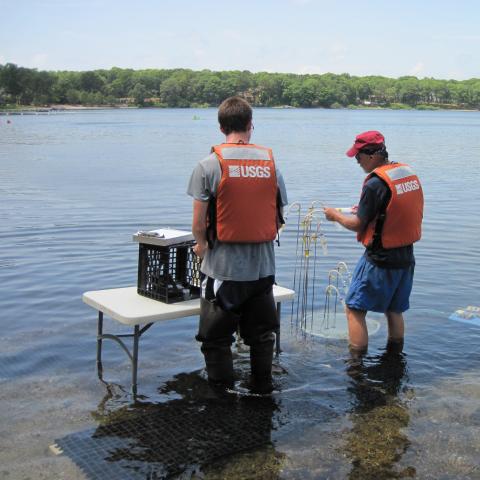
<point>168,273</point>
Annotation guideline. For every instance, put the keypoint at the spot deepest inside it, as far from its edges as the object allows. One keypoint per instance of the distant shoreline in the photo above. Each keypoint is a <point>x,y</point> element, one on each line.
<point>22,87</point>
<point>60,108</point>
<point>32,110</point>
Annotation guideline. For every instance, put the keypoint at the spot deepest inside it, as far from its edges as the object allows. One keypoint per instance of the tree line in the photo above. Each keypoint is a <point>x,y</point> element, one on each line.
<point>20,86</point>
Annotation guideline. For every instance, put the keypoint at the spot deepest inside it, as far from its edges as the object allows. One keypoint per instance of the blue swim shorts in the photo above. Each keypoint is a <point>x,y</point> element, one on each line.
<point>380,289</point>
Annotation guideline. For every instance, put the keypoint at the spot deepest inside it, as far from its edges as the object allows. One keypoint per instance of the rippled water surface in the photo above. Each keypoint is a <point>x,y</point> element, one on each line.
<point>73,189</point>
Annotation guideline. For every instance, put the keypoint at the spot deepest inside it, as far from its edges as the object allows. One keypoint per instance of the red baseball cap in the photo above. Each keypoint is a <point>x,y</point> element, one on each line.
<point>372,138</point>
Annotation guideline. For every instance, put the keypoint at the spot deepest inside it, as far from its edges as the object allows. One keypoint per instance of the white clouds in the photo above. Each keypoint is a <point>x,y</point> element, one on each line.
<point>200,54</point>
<point>39,60</point>
<point>300,2</point>
<point>304,69</point>
<point>417,69</point>
<point>455,38</point>
<point>339,51</point>
<point>233,35</point>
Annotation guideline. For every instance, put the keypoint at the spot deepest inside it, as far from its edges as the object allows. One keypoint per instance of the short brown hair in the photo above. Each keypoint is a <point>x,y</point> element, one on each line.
<point>234,115</point>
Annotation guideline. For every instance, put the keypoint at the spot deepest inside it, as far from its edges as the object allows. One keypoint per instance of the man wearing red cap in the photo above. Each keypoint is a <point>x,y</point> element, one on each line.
<point>388,221</point>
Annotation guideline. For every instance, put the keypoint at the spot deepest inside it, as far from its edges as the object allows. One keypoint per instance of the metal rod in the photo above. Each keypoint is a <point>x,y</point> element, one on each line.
<point>136,337</point>
<point>99,345</point>
<point>99,336</point>
<point>144,329</point>
<point>109,336</point>
<point>313,283</point>
<point>296,264</point>
<point>277,332</point>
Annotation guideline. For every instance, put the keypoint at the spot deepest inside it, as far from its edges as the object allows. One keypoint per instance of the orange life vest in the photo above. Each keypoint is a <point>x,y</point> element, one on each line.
<point>402,224</point>
<point>246,202</point>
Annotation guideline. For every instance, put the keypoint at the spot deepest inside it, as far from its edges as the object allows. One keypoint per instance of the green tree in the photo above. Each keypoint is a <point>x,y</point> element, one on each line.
<point>91,82</point>
<point>72,96</point>
<point>139,93</point>
<point>176,91</point>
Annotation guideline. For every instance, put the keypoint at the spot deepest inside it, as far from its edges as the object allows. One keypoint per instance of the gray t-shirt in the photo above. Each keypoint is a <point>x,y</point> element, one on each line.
<point>232,261</point>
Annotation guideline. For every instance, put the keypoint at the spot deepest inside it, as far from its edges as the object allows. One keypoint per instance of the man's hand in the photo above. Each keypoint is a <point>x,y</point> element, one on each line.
<point>200,249</point>
<point>331,213</point>
<point>351,222</point>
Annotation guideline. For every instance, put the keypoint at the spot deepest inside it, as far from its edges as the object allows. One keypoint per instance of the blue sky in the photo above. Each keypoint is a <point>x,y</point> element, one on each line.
<point>426,38</point>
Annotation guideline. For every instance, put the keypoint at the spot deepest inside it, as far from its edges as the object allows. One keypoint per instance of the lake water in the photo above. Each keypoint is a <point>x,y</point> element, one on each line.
<point>75,186</point>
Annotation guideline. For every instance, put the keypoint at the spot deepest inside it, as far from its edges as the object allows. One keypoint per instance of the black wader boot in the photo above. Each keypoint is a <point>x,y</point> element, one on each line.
<point>261,356</point>
<point>394,346</point>
<point>219,364</point>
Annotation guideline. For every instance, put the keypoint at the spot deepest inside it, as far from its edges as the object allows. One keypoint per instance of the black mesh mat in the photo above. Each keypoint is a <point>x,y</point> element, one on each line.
<point>162,440</point>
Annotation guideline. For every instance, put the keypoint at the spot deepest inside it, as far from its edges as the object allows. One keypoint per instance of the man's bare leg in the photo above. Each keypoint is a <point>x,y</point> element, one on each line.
<point>396,328</point>
<point>357,329</point>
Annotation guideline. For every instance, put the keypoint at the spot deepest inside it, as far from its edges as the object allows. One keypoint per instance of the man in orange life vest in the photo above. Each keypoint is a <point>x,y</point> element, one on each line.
<point>388,221</point>
<point>238,194</point>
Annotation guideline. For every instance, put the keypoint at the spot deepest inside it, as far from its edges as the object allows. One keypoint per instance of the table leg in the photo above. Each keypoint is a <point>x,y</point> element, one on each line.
<point>277,333</point>
<point>99,344</point>
<point>136,336</point>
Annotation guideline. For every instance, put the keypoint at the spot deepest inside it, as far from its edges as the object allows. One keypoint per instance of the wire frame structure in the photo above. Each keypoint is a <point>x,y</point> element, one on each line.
<point>310,241</point>
<point>318,310</point>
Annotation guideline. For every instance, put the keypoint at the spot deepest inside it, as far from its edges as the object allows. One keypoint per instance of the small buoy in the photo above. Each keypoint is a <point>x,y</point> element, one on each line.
<point>9,121</point>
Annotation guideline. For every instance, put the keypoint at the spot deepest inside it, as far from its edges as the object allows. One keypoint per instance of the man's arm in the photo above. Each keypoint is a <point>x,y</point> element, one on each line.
<point>350,222</point>
<point>199,227</point>
<point>374,197</point>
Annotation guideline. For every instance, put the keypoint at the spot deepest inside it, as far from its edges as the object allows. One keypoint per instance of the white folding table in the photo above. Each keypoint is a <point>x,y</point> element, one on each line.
<point>126,306</point>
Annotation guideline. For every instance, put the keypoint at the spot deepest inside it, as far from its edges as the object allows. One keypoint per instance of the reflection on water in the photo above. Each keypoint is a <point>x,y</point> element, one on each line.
<point>200,432</point>
<point>377,442</point>
<point>146,440</point>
